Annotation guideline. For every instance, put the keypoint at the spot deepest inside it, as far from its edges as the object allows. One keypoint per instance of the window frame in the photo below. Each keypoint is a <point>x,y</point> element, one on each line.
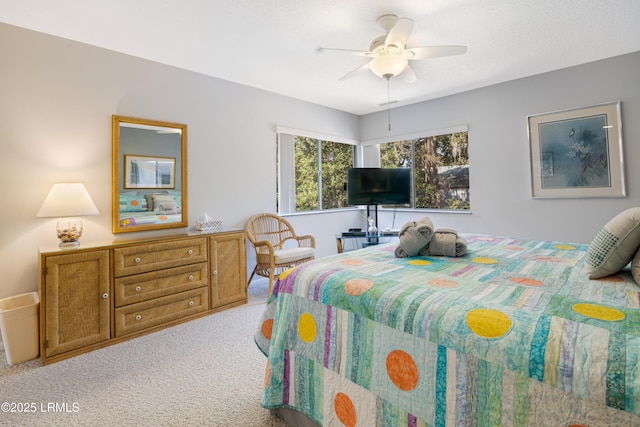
<point>372,158</point>
<point>285,168</point>
<point>366,154</point>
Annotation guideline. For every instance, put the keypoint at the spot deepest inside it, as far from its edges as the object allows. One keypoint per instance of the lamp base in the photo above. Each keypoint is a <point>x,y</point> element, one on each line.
<point>69,231</point>
<point>69,245</point>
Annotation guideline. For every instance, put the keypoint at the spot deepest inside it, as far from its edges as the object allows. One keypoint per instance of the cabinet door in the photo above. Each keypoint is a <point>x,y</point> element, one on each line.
<point>228,269</point>
<point>76,301</point>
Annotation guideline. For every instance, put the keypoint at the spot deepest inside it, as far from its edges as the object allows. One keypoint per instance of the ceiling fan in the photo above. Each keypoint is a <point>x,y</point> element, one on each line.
<point>389,53</point>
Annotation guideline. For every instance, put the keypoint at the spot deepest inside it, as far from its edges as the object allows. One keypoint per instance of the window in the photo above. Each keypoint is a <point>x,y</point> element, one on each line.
<point>312,169</point>
<point>440,165</point>
<point>312,173</point>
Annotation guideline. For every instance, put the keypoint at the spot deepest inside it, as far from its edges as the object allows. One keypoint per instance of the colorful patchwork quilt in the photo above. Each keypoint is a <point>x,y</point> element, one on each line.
<point>513,333</point>
<point>128,219</point>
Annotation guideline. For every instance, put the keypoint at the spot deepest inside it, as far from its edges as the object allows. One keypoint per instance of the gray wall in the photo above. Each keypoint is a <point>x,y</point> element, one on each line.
<point>496,117</point>
<point>56,102</point>
<point>147,142</point>
<point>57,98</point>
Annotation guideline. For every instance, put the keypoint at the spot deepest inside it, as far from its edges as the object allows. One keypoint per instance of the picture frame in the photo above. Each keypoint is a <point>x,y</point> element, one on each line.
<point>577,153</point>
<point>148,172</point>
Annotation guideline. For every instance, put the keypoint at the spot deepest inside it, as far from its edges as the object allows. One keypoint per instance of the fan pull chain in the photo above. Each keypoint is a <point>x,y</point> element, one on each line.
<point>388,104</point>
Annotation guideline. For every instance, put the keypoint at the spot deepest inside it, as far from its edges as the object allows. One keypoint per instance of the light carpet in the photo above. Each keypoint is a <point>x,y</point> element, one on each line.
<point>207,372</point>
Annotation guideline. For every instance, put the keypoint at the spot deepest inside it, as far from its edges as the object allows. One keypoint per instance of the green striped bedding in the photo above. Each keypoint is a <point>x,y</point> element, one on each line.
<point>511,334</point>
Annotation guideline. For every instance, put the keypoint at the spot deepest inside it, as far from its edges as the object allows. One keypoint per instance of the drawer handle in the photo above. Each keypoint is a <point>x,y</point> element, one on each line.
<point>105,295</point>
<point>137,259</point>
<point>190,251</point>
<point>190,303</point>
<point>191,277</point>
<point>138,288</point>
<point>215,272</point>
<point>138,317</point>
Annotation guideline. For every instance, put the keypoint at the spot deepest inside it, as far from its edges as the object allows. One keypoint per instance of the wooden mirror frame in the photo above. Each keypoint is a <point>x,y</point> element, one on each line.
<point>178,176</point>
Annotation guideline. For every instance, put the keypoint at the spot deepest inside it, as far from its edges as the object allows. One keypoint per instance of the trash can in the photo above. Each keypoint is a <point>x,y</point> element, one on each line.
<point>20,328</point>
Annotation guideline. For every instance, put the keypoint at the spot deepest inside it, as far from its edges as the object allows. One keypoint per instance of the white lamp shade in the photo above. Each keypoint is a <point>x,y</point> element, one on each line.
<point>67,199</point>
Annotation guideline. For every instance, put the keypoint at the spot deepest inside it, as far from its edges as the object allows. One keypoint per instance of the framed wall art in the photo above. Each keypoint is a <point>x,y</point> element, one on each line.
<point>577,153</point>
<point>149,172</point>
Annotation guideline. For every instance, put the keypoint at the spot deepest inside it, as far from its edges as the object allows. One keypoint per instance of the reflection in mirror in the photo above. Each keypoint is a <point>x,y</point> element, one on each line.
<point>149,175</point>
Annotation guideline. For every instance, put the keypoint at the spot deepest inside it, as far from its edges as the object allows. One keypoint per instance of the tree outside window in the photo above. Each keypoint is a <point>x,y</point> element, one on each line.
<point>440,169</point>
<point>321,173</point>
<point>336,159</point>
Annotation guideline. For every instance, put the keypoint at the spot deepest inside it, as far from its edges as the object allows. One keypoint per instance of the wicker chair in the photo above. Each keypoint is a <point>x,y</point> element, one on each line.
<point>268,234</point>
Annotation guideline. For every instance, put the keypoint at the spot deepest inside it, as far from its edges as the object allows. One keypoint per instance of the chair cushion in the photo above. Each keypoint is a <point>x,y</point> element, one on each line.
<point>284,256</point>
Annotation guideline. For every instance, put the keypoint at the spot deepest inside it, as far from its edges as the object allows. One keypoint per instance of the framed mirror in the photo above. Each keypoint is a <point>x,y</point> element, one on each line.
<point>149,178</point>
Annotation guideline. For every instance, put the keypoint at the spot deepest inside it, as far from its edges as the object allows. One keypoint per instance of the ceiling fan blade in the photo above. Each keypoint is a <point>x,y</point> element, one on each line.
<point>354,72</point>
<point>408,75</point>
<point>351,51</point>
<point>434,51</point>
<point>400,33</point>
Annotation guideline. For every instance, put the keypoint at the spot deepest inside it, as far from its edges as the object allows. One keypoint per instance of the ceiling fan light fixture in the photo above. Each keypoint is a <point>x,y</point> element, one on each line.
<point>389,53</point>
<point>388,65</point>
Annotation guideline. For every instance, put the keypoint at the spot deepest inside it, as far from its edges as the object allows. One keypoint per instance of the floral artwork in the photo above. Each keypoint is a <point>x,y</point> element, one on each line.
<point>577,153</point>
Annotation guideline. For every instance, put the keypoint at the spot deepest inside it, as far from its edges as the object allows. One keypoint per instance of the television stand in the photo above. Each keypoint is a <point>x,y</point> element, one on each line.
<point>361,239</point>
<point>375,217</point>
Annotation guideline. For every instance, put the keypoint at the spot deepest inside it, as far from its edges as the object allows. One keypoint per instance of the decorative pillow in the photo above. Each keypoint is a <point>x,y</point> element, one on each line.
<point>635,267</point>
<point>149,197</point>
<point>614,245</point>
<point>167,208</point>
<point>133,203</point>
<point>160,199</point>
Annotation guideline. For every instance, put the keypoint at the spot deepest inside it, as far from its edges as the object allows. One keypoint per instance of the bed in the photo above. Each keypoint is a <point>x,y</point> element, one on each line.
<point>513,333</point>
<point>145,208</point>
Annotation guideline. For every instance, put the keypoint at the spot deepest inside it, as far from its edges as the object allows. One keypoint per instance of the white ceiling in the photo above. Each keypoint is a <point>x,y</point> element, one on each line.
<point>273,44</point>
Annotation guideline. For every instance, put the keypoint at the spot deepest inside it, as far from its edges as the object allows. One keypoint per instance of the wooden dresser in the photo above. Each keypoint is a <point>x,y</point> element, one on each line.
<point>101,294</point>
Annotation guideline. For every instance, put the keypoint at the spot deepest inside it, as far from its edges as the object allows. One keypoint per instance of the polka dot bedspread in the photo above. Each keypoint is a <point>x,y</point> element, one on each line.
<point>512,333</point>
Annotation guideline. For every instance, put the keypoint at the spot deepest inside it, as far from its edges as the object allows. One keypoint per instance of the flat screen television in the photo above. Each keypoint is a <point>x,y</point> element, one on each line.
<point>379,186</point>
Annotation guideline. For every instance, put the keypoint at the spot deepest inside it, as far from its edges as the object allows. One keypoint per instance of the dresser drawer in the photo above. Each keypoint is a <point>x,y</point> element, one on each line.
<point>143,315</point>
<point>155,256</point>
<point>146,286</point>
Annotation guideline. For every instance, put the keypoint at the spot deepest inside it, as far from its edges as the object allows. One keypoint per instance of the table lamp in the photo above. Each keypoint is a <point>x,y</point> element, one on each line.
<point>67,201</point>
